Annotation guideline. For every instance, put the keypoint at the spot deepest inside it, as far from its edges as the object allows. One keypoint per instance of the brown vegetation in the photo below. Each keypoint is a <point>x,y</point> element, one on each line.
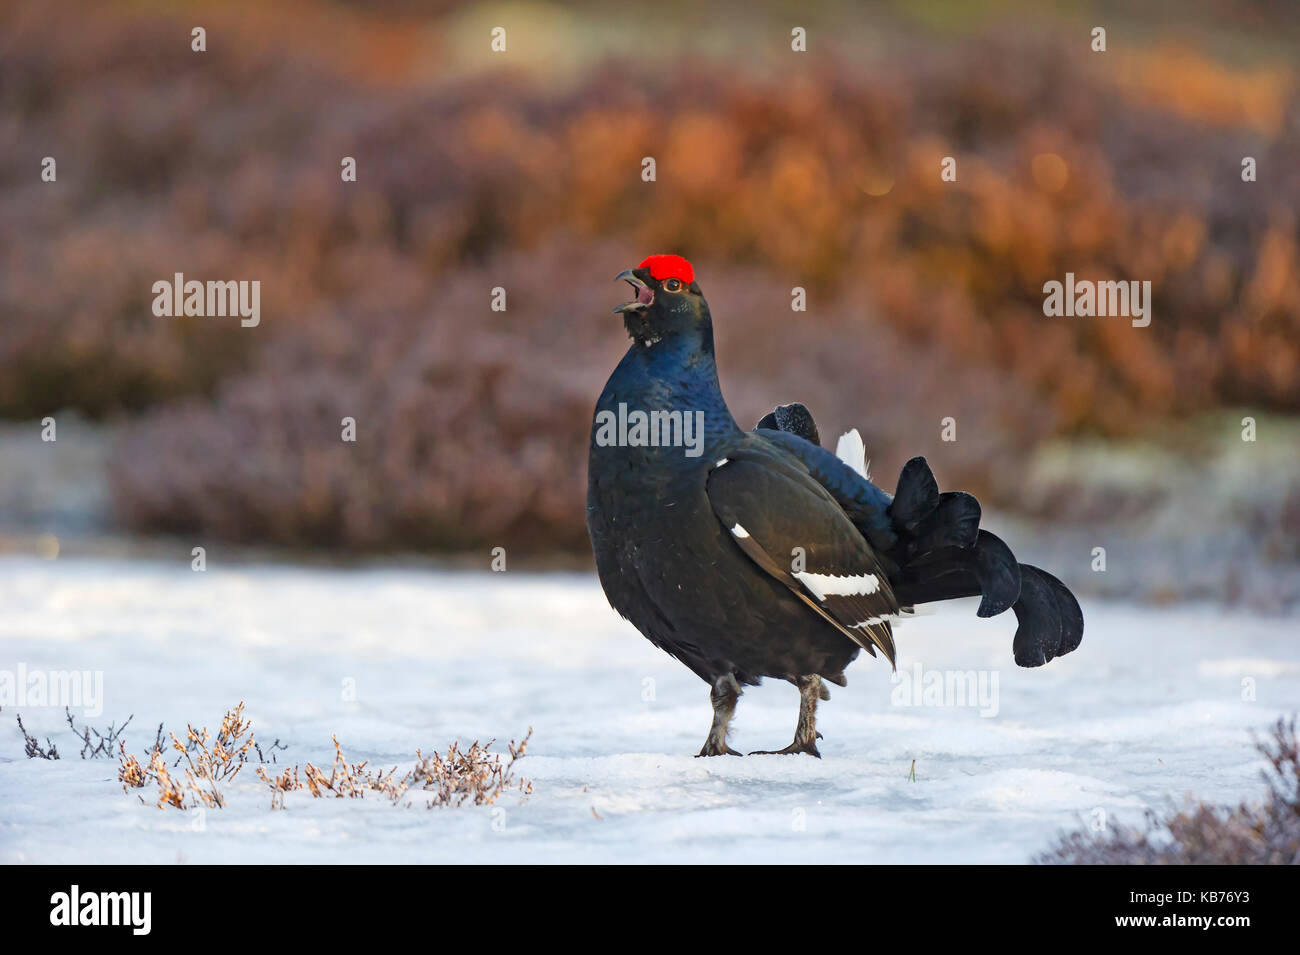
<point>925,297</point>
<point>98,747</point>
<point>474,775</point>
<point>204,765</point>
<point>1201,834</point>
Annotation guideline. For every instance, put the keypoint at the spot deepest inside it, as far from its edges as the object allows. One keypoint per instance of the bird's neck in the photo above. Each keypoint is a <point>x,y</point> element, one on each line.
<point>680,374</point>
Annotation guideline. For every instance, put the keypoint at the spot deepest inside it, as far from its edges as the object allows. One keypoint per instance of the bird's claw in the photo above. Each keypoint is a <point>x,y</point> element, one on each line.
<point>712,749</point>
<point>808,746</point>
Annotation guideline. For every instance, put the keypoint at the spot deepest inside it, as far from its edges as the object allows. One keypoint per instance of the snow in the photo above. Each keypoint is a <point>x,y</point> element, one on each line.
<point>1151,707</point>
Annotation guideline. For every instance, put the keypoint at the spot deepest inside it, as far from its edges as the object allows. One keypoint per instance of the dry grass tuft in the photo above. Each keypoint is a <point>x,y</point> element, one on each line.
<point>32,747</point>
<point>101,746</point>
<point>348,780</point>
<point>204,765</point>
<point>475,775</point>
<point>95,744</point>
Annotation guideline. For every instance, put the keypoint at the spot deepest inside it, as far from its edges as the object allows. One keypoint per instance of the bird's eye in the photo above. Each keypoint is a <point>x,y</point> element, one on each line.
<point>673,285</point>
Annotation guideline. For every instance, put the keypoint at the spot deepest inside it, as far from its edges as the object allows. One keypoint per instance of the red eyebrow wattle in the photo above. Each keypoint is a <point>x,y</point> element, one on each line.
<point>669,267</point>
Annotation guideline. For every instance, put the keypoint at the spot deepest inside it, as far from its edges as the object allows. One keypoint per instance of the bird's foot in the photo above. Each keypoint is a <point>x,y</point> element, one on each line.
<point>723,696</point>
<point>712,748</point>
<point>808,746</point>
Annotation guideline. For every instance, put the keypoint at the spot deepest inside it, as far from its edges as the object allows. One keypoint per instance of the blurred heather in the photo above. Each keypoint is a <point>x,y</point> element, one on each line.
<point>522,171</point>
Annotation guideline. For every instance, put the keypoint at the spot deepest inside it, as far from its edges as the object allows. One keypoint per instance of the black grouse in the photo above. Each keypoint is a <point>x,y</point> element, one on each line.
<point>751,554</point>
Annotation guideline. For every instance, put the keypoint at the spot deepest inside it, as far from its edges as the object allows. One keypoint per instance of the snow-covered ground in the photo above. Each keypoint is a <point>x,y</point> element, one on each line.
<point>1154,704</point>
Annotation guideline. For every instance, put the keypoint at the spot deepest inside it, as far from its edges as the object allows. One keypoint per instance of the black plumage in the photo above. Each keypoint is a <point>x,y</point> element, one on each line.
<point>943,554</point>
<point>760,554</point>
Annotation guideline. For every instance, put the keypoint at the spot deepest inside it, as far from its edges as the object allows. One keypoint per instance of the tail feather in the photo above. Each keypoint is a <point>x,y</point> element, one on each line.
<point>853,452</point>
<point>1039,634</point>
<point>955,522</point>
<point>988,571</point>
<point>794,418</point>
<point>917,494</point>
<point>1071,615</point>
<point>945,577</point>
<point>998,573</point>
<point>1051,622</point>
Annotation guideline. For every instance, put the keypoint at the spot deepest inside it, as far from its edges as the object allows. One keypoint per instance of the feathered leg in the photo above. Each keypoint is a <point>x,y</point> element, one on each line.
<point>725,693</point>
<point>805,734</point>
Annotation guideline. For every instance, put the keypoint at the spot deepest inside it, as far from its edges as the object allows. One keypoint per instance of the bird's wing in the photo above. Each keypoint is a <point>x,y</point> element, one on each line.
<point>866,505</point>
<point>772,506</point>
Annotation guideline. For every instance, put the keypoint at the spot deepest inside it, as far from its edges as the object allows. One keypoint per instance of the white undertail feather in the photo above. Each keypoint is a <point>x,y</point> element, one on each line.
<point>853,452</point>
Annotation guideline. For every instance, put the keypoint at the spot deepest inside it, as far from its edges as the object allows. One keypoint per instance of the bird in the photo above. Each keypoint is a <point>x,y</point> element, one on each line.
<point>753,554</point>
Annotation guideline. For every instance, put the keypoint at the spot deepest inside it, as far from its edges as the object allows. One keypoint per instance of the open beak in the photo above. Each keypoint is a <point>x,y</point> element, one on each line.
<point>645,296</point>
